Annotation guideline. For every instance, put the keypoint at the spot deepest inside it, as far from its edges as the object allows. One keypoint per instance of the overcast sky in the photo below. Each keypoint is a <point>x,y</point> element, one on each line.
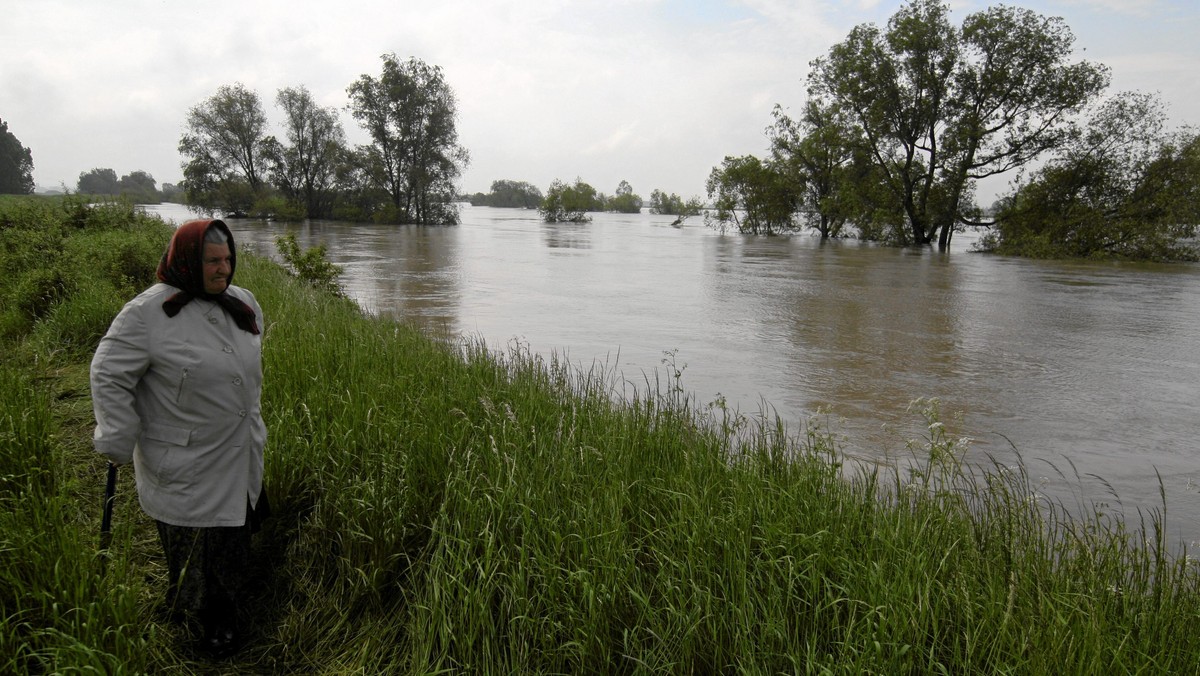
<point>655,92</point>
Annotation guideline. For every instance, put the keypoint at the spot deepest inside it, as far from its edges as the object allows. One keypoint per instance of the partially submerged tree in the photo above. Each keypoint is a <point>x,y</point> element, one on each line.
<point>509,194</point>
<point>816,153</point>
<point>358,197</point>
<point>939,107</point>
<point>625,201</point>
<point>224,150</point>
<point>410,111</point>
<point>569,202</point>
<point>674,205</point>
<point>1124,188</point>
<point>304,167</point>
<point>752,196</point>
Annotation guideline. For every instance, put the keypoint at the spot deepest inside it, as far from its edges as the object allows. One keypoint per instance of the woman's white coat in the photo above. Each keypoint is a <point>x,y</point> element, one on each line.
<point>180,397</point>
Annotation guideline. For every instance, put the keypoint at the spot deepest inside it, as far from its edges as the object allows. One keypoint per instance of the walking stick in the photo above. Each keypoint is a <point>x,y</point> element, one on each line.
<point>110,493</point>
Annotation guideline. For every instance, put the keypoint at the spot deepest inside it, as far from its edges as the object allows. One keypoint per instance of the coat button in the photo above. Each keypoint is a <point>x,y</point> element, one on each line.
<point>227,349</point>
<point>237,381</point>
<point>212,320</point>
<point>242,413</point>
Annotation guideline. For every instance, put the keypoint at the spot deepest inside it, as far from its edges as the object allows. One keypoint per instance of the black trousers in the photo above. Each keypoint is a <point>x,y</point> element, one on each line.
<point>207,568</point>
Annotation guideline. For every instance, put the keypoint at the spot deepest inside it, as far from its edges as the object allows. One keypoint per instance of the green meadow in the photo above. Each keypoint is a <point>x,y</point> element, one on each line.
<point>445,506</point>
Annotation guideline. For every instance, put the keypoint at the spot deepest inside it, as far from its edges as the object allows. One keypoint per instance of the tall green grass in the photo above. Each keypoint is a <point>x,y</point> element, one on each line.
<point>69,266</point>
<point>450,507</point>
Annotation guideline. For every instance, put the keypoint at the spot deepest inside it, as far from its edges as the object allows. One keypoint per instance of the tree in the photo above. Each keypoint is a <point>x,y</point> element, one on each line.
<point>825,158</point>
<point>410,112</point>
<point>817,154</point>
<point>208,191</point>
<point>16,164</point>
<point>98,182</point>
<point>569,202</point>
<point>224,148</point>
<point>1122,189</point>
<point>674,205</point>
<point>172,192</point>
<point>876,214</point>
<point>625,201</point>
<point>305,168</point>
<point>140,187</point>
<point>509,194</point>
<point>940,107</point>
<point>752,196</point>
<point>358,198</point>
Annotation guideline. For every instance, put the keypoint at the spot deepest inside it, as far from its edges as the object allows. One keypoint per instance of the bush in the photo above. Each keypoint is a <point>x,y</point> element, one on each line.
<point>310,266</point>
<point>38,290</point>
<point>127,261</point>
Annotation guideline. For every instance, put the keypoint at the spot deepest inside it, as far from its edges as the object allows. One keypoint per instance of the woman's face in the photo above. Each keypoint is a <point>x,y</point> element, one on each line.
<point>217,266</point>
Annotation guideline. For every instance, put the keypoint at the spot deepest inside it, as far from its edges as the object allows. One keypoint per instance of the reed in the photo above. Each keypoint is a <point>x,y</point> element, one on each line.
<point>445,506</point>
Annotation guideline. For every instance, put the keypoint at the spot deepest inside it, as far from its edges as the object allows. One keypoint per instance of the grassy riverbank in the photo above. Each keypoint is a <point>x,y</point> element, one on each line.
<point>446,508</point>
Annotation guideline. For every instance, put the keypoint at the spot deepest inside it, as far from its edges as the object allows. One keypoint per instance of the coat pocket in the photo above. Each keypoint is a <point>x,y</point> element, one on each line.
<point>163,449</point>
<point>169,434</point>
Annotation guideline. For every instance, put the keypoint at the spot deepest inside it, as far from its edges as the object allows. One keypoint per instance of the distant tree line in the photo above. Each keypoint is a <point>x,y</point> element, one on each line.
<point>508,194</point>
<point>137,186</point>
<point>405,175</point>
<point>572,202</point>
<point>562,201</point>
<point>901,123</point>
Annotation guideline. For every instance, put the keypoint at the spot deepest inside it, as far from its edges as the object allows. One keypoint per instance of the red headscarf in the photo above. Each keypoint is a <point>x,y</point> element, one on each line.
<point>182,266</point>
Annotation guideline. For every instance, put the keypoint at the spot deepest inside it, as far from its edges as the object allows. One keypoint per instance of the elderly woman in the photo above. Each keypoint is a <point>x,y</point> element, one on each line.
<point>176,384</point>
